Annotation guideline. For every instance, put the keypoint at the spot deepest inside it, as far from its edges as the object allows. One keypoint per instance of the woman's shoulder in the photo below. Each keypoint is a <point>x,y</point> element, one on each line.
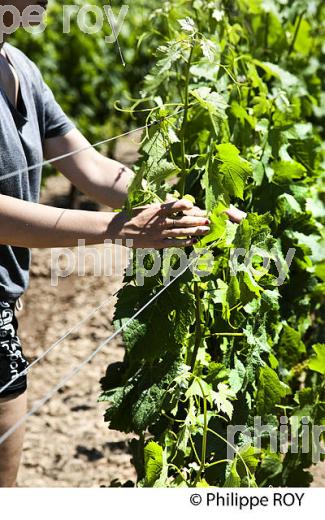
<point>22,60</point>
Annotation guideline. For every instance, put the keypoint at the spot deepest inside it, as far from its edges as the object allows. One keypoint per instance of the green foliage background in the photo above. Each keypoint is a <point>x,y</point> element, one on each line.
<point>85,72</point>
<point>247,78</point>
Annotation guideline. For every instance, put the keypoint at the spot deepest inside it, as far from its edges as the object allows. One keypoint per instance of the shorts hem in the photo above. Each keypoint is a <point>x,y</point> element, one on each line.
<point>19,389</point>
<point>10,298</point>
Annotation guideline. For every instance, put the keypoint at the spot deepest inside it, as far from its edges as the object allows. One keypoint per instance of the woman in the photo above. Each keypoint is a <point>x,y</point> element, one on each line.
<point>34,127</point>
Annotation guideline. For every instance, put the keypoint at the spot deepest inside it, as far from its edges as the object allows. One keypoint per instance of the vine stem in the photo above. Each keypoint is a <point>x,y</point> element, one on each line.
<point>205,432</point>
<point>178,470</point>
<point>184,122</point>
<point>194,450</point>
<point>266,30</point>
<point>240,334</point>
<point>204,437</point>
<point>198,330</point>
<point>293,41</point>
<point>221,461</point>
<point>248,472</point>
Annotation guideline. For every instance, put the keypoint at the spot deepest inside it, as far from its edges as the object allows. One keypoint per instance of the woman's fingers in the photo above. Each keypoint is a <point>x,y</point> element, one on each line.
<point>184,232</point>
<point>167,224</point>
<point>172,223</point>
<point>196,211</point>
<point>168,208</point>
<point>189,221</point>
<point>235,214</point>
<point>188,209</point>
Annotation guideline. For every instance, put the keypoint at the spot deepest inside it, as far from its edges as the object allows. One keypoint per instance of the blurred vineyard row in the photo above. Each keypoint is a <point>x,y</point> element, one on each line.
<point>85,72</point>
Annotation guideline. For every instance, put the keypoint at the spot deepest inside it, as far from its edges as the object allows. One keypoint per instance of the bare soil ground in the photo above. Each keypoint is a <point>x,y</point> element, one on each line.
<point>67,442</point>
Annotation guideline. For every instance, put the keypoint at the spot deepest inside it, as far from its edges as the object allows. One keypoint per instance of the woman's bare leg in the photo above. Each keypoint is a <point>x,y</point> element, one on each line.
<point>11,409</point>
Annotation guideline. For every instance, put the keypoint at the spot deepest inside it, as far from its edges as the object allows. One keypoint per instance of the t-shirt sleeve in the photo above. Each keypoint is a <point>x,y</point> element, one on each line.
<point>56,122</point>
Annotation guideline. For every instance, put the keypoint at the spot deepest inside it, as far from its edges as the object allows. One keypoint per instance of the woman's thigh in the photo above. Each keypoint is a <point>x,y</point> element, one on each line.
<point>12,408</point>
<point>13,395</point>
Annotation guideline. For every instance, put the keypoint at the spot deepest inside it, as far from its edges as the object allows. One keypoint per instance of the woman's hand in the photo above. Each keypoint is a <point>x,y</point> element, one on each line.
<point>158,226</point>
<point>235,214</point>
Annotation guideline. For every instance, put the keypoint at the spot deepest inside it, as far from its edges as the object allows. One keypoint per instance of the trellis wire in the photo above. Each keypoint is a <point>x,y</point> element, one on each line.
<point>50,161</point>
<point>58,342</point>
<point>79,367</point>
<point>88,147</point>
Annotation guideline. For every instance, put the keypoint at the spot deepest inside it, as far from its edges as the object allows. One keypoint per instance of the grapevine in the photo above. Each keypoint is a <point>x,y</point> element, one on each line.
<point>220,350</point>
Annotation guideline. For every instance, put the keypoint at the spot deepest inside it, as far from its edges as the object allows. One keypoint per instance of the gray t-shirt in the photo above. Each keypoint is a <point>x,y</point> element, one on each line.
<point>22,134</point>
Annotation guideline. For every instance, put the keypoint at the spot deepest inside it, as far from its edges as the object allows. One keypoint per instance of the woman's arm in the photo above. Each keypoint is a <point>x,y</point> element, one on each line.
<point>26,224</point>
<point>102,179</point>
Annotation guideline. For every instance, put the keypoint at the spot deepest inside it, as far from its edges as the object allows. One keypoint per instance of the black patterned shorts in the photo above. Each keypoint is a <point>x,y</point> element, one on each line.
<point>12,361</point>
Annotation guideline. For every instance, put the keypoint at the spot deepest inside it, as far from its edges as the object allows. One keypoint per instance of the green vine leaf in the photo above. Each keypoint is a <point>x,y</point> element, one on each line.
<point>269,392</point>
<point>317,363</point>
<point>232,169</point>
